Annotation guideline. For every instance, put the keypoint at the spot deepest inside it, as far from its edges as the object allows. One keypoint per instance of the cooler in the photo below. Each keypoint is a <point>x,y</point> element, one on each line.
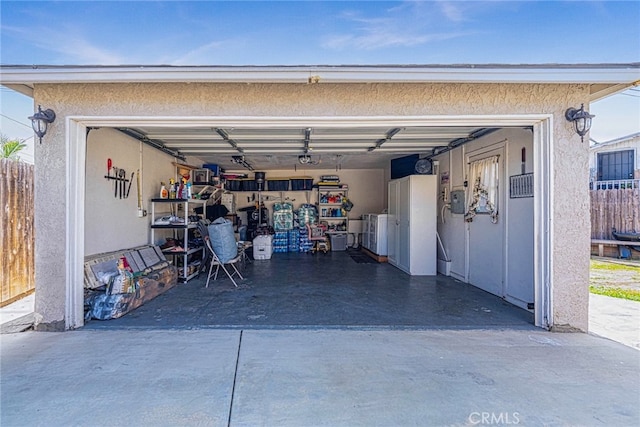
<point>263,247</point>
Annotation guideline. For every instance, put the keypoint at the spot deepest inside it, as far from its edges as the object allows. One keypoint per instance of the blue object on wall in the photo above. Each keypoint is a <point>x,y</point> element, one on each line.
<point>404,166</point>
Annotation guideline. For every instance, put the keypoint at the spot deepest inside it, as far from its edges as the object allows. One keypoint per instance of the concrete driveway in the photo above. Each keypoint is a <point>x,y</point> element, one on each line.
<point>615,318</point>
<point>215,377</point>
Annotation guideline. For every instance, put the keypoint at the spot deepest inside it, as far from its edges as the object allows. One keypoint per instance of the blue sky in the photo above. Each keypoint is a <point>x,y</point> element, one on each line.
<point>327,32</point>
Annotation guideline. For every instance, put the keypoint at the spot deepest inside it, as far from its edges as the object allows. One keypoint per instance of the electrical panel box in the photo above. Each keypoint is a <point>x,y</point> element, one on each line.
<point>457,202</point>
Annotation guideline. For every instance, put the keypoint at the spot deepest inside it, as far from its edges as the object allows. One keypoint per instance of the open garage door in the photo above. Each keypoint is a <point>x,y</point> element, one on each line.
<point>378,149</point>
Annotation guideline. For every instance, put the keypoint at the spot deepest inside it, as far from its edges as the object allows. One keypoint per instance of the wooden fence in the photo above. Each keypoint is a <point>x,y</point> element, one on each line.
<point>614,208</point>
<point>16,233</point>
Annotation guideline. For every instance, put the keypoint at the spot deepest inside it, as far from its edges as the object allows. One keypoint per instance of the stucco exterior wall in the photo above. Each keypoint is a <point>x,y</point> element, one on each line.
<point>570,217</point>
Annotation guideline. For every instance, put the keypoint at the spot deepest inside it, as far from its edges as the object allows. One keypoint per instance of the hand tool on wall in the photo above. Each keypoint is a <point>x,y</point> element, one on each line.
<point>121,178</point>
<point>115,174</point>
<point>129,187</point>
<point>109,164</point>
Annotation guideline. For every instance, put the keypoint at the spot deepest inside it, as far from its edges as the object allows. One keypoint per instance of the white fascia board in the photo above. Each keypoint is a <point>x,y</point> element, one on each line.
<point>151,75</point>
<point>626,74</point>
<point>479,75</point>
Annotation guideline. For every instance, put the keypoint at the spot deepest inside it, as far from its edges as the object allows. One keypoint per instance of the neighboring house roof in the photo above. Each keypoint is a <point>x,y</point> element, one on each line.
<point>624,139</point>
<point>629,142</point>
<point>605,79</point>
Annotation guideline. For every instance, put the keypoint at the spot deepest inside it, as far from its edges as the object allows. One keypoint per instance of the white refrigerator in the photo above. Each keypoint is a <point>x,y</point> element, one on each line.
<point>375,233</point>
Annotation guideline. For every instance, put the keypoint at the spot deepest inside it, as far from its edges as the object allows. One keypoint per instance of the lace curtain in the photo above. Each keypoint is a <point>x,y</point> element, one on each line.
<point>483,198</point>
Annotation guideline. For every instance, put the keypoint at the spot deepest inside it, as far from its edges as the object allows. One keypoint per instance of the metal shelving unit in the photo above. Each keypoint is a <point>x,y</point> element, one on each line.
<point>332,211</point>
<point>180,232</point>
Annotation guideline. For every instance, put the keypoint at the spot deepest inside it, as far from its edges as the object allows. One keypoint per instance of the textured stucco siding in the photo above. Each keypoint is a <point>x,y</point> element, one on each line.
<point>570,218</point>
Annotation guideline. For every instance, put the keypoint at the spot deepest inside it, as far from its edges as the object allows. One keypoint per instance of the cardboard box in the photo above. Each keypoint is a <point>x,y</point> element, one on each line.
<point>228,201</point>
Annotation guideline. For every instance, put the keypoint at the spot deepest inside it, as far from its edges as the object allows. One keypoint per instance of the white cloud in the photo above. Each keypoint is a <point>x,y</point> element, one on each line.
<point>404,26</point>
<point>384,38</point>
<point>452,11</point>
<point>74,48</point>
<point>200,55</point>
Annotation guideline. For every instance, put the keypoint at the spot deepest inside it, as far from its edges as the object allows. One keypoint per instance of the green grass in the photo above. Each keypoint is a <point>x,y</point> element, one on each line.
<point>612,266</point>
<point>630,294</point>
<point>615,279</point>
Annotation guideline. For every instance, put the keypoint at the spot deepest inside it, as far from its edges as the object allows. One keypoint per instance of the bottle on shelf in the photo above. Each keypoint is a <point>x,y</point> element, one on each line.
<point>172,189</point>
<point>164,193</point>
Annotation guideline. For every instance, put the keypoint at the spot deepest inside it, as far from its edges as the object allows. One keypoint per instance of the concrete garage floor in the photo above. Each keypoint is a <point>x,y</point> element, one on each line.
<point>298,290</point>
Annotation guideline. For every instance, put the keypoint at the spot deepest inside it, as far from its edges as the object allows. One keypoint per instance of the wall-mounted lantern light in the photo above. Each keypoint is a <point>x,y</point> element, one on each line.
<point>581,120</point>
<point>41,120</point>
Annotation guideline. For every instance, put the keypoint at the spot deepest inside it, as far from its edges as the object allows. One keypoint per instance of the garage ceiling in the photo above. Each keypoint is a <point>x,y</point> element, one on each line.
<point>326,147</point>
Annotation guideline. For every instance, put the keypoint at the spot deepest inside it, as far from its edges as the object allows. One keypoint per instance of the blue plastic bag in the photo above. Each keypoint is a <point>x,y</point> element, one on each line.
<point>223,240</point>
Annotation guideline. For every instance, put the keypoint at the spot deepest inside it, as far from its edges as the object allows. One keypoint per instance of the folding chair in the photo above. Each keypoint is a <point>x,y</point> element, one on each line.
<point>243,247</point>
<point>216,261</point>
<point>203,231</point>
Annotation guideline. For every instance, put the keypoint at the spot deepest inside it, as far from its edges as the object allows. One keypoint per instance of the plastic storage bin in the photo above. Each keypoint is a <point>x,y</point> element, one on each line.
<point>233,185</point>
<point>338,242</point>
<point>249,185</point>
<point>216,170</point>
<point>278,184</point>
<point>262,247</point>
<point>301,184</point>
<point>202,176</point>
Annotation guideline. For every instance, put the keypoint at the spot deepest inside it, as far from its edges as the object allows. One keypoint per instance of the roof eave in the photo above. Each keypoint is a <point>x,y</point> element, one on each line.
<point>614,74</point>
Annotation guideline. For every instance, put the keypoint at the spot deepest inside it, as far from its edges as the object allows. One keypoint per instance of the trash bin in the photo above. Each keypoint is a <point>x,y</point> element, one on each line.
<point>338,242</point>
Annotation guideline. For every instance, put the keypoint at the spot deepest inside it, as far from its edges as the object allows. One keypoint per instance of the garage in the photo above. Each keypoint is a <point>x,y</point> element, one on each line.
<point>362,172</point>
<point>301,290</point>
<point>292,122</point>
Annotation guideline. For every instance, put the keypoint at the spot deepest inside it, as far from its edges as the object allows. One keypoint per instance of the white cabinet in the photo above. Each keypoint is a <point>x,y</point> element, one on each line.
<point>411,224</point>
<point>374,233</point>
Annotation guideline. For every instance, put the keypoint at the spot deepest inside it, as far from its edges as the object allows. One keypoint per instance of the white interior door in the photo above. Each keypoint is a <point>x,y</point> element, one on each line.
<point>485,239</point>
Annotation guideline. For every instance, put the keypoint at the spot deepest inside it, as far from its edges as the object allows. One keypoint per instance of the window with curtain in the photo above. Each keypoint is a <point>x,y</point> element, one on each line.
<point>483,197</point>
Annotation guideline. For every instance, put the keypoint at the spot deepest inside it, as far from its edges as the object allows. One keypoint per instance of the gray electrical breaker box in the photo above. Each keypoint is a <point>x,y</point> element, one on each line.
<point>457,202</point>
